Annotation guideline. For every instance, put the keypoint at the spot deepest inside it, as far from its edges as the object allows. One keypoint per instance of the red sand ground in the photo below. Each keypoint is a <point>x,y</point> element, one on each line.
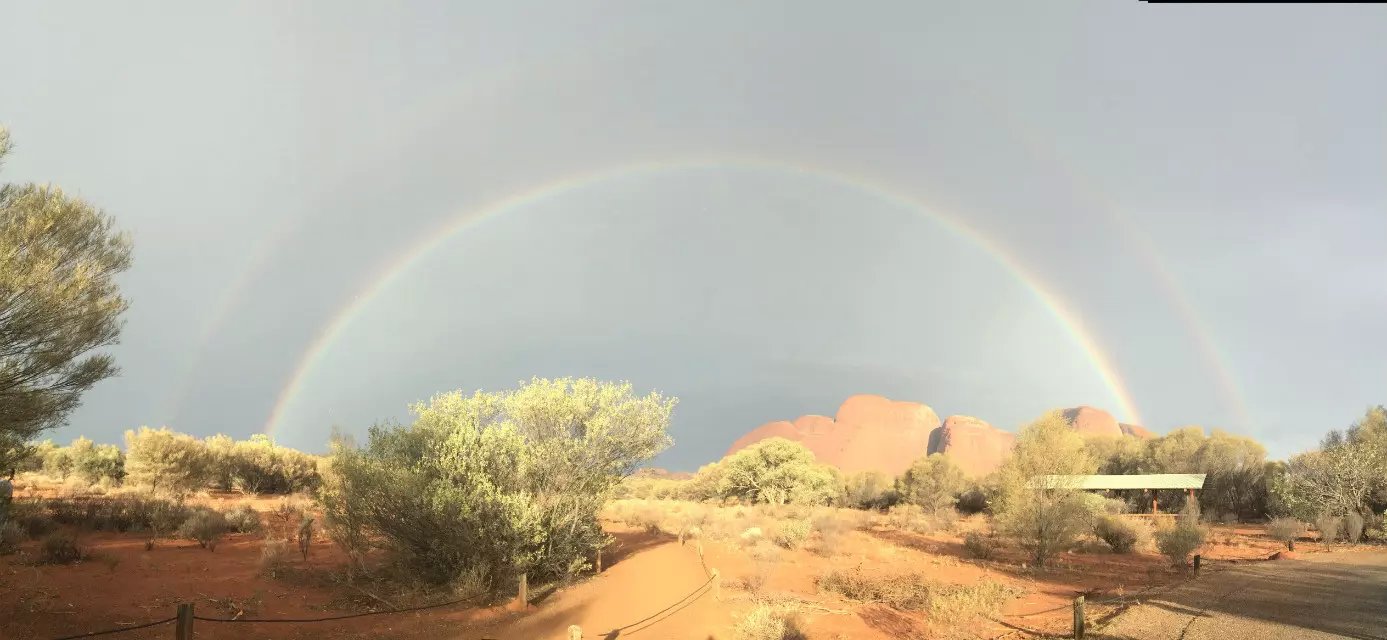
<point>124,585</point>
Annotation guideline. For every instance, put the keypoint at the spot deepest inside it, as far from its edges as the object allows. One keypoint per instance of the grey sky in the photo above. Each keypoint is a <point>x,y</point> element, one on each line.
<point>1202,186</point>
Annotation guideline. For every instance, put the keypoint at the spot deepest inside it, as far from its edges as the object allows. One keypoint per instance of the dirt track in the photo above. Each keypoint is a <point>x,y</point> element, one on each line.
<point>1335,595</point>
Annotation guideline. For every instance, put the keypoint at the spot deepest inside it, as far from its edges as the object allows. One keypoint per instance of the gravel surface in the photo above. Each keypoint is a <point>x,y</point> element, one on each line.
<point>1333,595</point>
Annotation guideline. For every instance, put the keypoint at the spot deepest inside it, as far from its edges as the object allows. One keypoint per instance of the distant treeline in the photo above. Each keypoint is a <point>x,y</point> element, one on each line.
<point>167,460</point>
<point>1348,474</point>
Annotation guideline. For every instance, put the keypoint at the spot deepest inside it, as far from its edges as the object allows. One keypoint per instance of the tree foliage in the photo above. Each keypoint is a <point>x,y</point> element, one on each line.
<point>1347,475</point>
<point>59,302</point>
<point>777,471</point>
<point>164,459</point>
<point>1046,517</point>
<point>495,484</point>
<point>933,482</point>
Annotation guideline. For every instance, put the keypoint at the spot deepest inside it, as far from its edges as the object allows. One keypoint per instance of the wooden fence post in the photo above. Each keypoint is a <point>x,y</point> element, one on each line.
<point>523,597</point>
<point>185,621</point>
<point>1079,618</point>
<point>575,632</point>
<point>717,584</point>
<point>1196,565</point>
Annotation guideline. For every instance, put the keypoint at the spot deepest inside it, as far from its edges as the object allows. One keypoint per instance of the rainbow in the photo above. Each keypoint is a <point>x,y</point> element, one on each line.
<point>395,269</point>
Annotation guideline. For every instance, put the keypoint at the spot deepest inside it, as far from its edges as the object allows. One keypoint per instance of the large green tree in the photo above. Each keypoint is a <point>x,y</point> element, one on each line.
<point>59,302</point>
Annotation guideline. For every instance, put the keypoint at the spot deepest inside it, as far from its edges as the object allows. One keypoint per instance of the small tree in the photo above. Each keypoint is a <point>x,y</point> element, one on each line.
<point>777,471</point>
<point>933,482</point>
<point>164,459</point>
<point>1287,530</point>
<point>1044,513</point>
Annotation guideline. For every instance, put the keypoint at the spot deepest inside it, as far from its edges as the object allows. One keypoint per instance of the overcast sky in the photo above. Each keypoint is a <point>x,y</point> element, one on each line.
<point>760,208</point>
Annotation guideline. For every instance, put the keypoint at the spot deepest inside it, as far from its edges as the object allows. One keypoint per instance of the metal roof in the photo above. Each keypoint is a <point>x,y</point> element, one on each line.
<point>1148,481</point>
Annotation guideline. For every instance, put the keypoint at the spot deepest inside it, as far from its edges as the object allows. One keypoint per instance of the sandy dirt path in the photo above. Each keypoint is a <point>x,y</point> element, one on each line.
<point>1334,595</point>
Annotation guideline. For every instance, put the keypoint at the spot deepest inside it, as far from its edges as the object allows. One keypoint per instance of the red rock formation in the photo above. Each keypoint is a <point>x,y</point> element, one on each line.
<point>1135,431</point>
<point>1092,422</point>
<point>871,433</point>
<point>976,447</point>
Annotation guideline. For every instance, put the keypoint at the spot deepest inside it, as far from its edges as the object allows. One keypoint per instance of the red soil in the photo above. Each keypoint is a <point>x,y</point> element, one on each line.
<point>123,584</point>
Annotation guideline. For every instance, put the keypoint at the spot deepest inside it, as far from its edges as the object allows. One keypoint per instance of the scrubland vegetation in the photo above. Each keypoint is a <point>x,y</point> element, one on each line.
<point>479,489</point>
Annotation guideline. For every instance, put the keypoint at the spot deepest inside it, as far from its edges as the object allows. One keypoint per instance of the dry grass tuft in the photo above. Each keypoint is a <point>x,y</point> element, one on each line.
<point>914,592</point>
<point>769,623</point>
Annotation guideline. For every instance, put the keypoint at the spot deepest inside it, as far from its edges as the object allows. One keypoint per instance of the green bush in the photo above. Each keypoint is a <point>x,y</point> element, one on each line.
<point>1286,530</point>
<point>1178,542</point>
<point>495,484</point>
<point>932,482</point>
<point>1118,533</point>
<point>980,546</point>
<point>60,548</point>
<point>868,490</point>
<point>777,471</point>
<point>791,534</point>
<point>204,525</point>
<point>973,500</point>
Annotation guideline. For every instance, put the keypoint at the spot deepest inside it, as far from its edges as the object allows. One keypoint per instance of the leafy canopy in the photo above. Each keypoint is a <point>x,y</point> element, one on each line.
<point>59,257</point>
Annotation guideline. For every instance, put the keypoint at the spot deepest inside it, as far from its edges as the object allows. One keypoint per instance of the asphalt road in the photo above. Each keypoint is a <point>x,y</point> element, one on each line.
<point>1334,595</point>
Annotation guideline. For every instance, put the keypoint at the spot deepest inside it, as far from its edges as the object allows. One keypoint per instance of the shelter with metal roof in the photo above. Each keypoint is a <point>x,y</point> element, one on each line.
<point>1148,482</point>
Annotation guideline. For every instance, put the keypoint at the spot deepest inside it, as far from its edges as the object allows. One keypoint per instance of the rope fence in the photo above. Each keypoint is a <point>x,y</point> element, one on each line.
<point>186,614</point>
<point>106,632</point>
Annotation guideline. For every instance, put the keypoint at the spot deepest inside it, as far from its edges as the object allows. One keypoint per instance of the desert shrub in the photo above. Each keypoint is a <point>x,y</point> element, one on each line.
<point>1329,528</point>
<point>765,622</point>
<point>243,519</point>
<point>914,518</point>
<point>914,592</point>
<point>1287,530</point>
<point>36,523</point>
<point>1114,506</point>
<point>204,525</point>
<point>1353,527</point>
<point>979,545</point>
<point>957,602</point>
<point>60,548</point>
<point>792,534</point>
<point>932,482</point>
<point>274,556</point>
<point>1046,516</point>
<point>10,536</point>
<point>832,530</point>
<point>777,471</point>
<point>868,490</point>
<point>908,592</point>
<point>1178,542</point>
<point>508,482</point>
<point>1118,533</point>
<point>974,500</point>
